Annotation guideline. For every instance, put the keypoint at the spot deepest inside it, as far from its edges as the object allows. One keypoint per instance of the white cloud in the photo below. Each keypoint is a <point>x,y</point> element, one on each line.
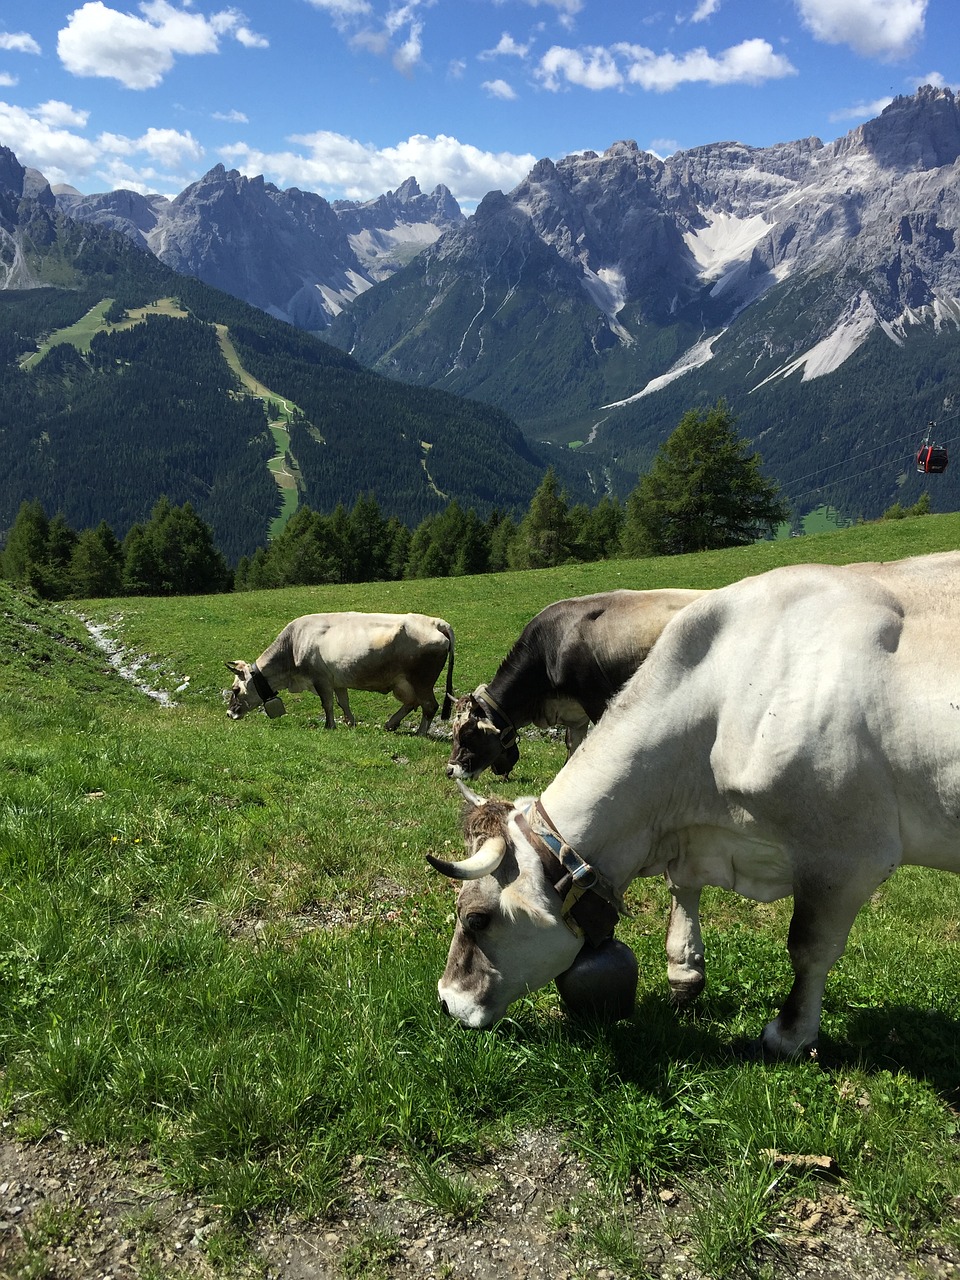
<point>250,40</point>
<point>383,35</point>
<point>60,114</point>
<point>138,52</point>
<point>704,10</point>
<point>47,139</point>
<point>874,28</point>
<point>861,110</point>
<point>341,10</point>
<point>591,68</point>
<point>505,47</point>
<point>456,68</point>
<point>18,42</point>
<point>336,165</point>
<point>935,79</point>
<point>663,147</point>
<point>751,62</point>
<point>499,89</point>
<point>7,81</point>
<point>231,117</point>
<point>408,54</point>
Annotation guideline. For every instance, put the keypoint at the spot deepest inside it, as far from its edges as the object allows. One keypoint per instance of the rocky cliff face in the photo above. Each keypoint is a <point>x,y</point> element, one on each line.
<point>664,262</point>
<point>290,252</point>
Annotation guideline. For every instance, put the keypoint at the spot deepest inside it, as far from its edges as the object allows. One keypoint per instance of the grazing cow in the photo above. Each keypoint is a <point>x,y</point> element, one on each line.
<point>333,652</point>
<point>795,733</point>
<point>566,666</point>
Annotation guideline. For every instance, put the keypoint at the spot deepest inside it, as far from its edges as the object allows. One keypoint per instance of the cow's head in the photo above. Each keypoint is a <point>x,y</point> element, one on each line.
<point>482,739</point>
<point>509,937</point>
<point>250,689</point>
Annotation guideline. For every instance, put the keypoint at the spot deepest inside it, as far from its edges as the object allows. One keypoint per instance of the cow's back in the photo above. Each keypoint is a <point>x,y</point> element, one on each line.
<point>366,650</point>
<point>602,639</point>
<point>809,695</point>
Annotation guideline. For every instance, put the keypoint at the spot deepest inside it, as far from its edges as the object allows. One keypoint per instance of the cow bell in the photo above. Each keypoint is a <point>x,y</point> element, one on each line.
<point>601,983</point>
<point>273,707</point>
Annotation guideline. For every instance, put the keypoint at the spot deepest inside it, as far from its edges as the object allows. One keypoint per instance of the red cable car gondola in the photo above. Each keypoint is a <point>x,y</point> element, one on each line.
<point>931,458</point>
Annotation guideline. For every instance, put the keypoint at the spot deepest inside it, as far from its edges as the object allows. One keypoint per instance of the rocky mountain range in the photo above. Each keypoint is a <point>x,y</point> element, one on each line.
<point>290,253</point>
<point>814,286</point>
<point>123,381</point>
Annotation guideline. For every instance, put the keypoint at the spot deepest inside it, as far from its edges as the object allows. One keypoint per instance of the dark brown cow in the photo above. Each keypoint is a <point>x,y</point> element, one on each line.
<point>565,667</point>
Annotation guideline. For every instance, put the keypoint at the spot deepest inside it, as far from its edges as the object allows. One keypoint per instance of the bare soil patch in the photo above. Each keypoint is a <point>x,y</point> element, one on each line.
<point>70,1212</point>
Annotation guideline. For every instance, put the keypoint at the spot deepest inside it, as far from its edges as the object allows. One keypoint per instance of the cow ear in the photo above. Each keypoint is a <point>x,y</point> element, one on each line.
<point>517,899</point>
<point>236,667</point>
<point>487,726</point>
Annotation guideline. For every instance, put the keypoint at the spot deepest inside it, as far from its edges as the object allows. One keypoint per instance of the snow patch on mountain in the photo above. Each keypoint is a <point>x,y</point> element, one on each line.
<point>336,299</point>
<point>383,249</point>
<point>607,289</point>
<point>726,242</point>
<point>857,322</point>
<point>693,358</point>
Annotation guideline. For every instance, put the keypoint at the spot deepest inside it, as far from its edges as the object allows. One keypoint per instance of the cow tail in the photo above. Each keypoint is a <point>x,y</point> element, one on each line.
<point>448,699</point>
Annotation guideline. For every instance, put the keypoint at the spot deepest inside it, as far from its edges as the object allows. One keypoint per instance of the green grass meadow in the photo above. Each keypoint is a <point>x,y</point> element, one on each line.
<point>220,943</point>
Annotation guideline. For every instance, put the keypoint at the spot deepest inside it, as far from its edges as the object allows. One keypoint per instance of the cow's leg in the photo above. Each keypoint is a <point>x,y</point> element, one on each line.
<point>686,967</point>
<point>430,706</point>
<point>325,694</point>
<point>401,712</point>
<point>822,918</point>
<point>343,697</point>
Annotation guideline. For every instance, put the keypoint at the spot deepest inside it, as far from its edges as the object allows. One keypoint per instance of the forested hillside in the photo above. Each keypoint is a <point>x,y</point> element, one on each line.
<point>132,405</point>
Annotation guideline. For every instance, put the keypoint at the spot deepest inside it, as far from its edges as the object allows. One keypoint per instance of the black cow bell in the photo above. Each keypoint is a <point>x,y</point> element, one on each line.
<point>601,983</point>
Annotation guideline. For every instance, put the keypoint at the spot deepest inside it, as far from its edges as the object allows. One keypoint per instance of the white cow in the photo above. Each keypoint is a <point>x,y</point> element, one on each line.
<point>402,653</point>
<point>795,733</point>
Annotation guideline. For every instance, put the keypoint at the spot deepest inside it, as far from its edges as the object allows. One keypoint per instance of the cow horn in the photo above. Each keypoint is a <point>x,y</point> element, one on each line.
<point>482,863</point>
<point>471,797</point>
<point>235,667</point>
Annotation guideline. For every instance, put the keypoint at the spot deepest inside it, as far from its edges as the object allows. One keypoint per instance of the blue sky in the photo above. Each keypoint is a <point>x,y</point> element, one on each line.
<point>350,97</point>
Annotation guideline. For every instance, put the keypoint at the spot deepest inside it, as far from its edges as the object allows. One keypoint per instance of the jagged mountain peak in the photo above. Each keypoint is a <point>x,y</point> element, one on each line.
<point>921,131</point>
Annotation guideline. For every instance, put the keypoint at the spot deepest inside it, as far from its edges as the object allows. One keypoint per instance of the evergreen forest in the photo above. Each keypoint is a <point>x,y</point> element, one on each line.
<point>122,383</point>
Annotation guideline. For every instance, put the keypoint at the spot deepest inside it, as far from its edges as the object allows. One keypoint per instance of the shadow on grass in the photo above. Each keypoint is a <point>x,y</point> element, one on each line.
<point>923,1043</point>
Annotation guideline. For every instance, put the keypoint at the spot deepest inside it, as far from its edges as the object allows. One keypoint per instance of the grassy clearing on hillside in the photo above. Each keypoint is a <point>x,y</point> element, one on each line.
<point>220,940</point>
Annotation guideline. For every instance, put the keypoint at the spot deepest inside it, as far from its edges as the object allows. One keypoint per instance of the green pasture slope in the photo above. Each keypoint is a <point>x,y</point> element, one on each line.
<point>220,943</point>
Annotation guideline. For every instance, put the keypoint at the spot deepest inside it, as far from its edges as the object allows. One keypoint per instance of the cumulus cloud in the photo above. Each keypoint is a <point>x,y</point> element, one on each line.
<point>506,47</point>
<point>590,68</point>
<point>7,81</point>
<point>704,10</point>
<point>48,139</point>
<point>861,110</point>
<point>334,165</point>
<point>499,89</point>
<point>884,29</point>
<point>138,52</point>
<point>622,65</point>
<point>18,42</point>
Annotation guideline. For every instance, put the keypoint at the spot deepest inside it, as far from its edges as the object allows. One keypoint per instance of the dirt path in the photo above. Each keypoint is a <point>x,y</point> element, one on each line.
<point>69,1212</point>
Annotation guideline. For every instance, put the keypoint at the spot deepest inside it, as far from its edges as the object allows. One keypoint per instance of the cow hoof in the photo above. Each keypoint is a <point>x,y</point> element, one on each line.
<point>684,994</point>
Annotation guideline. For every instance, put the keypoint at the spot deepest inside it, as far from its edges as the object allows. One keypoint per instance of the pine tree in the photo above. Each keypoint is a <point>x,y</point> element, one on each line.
<point>703,491</point>
<point>26,551</point>
<point>142,575</point>
<point>544,537</point>
<point>96,567</point>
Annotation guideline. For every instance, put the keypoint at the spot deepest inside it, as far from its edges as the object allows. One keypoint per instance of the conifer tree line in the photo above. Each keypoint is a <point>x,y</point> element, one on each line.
<point>703,491</point>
